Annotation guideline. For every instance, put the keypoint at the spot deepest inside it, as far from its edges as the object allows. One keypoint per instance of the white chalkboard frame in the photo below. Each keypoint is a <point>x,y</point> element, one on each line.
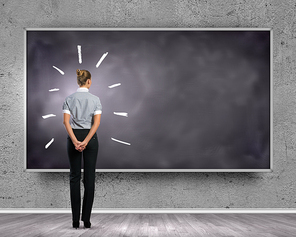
<point>153,29</point>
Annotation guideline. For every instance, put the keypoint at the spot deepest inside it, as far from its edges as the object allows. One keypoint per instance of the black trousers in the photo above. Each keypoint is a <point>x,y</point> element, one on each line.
<point>89,158</point>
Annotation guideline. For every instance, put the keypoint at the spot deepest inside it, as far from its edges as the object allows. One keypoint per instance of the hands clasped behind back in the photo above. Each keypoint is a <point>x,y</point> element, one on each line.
<point>80,146</point>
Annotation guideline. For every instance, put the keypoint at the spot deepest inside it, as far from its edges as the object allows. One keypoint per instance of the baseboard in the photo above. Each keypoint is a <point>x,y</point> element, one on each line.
<point>156,210</point>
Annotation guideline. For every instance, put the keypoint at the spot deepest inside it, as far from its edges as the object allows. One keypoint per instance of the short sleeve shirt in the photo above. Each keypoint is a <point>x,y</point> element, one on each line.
<point>82,106</point>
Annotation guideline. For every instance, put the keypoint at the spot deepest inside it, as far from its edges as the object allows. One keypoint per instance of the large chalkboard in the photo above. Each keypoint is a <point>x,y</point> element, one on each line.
<point>173,99</point>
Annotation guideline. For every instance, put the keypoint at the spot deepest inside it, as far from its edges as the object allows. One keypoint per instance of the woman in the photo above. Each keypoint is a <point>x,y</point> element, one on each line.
<point>85,110</point>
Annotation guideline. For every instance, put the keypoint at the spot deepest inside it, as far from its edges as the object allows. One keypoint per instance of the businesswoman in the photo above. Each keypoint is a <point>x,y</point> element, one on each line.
<point>82,116</point>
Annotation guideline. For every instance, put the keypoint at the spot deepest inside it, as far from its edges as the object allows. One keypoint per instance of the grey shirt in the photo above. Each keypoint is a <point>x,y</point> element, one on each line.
<point>82,106</point>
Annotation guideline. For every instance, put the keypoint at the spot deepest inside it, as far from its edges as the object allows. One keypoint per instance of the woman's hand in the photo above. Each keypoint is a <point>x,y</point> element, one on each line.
<point>77,145</point>
<point>83,145</point>
<point>80,146</point>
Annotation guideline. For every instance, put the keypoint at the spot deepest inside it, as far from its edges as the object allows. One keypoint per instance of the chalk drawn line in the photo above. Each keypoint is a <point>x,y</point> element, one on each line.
<point>48,116</point>
<point>124,114</point>
<point>59,70</point>
<point>48,144</point>
<point>101,59</point>
<point>114,85</point>
<point>119,141</point>
<point>79,54</point>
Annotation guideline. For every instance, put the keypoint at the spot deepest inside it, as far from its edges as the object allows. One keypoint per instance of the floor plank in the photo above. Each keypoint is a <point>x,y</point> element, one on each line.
<point>151,225</point>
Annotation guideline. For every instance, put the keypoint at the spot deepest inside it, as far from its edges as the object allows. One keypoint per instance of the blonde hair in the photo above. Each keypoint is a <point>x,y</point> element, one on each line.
<point>82,76</point>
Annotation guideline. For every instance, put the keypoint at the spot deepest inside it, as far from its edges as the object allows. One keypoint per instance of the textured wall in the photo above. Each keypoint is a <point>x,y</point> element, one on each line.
<point>148,190</point>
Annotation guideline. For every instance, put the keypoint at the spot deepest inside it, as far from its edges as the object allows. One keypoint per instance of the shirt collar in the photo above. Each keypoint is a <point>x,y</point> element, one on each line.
<point>82,89</point>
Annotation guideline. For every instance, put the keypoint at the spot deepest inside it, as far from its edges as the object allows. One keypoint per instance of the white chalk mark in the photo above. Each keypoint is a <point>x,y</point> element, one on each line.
<point>55,89</point>
<point>126,143</point>
<point>79,53</point>
<point>101,59</point>
<point>114,85</point>
<point>48,116</point>
<point>121,114</point>
<point>59,70</point>
<point>48,144</point>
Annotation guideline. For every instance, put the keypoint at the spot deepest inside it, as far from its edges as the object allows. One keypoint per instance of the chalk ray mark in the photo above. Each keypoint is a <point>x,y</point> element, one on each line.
<point>48,144</point>
<point>121,114</point>
<point>59,70</point>
<point>79,54</point>
<point>114,85</point>
<point>55,89</point>
<point>48,116</point>
<point>125,143</point>
<point>101,59</point>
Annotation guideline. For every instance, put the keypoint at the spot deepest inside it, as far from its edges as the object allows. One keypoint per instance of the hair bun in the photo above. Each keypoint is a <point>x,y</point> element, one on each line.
<point>78,72</point>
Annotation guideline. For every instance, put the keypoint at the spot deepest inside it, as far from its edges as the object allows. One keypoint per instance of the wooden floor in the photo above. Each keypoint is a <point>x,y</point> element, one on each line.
<point>163,225</point>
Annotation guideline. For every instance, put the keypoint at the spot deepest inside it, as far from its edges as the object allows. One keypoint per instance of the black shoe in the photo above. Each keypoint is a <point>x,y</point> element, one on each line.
<point>75,224</point>
<point>87,224</point>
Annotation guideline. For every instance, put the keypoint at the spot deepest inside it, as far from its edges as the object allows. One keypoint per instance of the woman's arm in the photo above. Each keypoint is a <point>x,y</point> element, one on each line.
<point>69,129</point>
<point>92,131</point>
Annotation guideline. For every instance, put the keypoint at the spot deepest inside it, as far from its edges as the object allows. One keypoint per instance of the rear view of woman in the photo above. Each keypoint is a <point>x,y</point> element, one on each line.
<point>82,116</point>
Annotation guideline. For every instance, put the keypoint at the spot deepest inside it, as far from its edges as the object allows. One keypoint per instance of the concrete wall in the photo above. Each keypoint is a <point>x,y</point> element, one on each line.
<point>19,189</point>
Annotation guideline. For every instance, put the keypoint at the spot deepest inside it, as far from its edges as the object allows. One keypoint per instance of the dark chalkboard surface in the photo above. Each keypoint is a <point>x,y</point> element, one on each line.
<point>172,99</point>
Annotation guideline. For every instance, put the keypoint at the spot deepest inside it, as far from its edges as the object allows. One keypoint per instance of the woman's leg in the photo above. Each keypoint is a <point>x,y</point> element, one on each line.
<point>75,176</point>
<point>90,158</point>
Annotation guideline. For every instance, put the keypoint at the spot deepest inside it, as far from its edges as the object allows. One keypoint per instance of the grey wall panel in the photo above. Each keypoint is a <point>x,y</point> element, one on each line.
<point>148,190</point>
